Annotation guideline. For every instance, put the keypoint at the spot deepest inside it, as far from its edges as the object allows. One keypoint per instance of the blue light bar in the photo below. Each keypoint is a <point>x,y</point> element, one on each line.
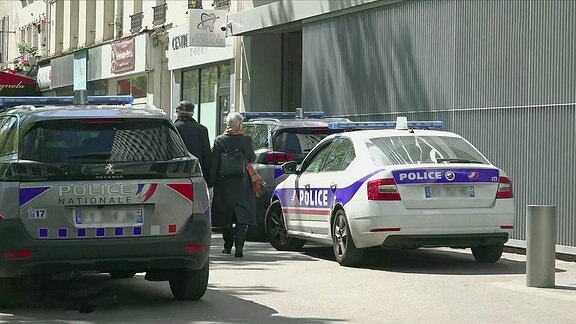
<point>64,100</point>
<point>384,125</point>
<point>280,115</point>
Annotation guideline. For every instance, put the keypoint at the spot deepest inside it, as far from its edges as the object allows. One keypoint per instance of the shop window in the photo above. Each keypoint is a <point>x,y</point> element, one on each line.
<point>202,87</point>
<point>209,84</point>
<point>64,91</point>
<point>136,86</point>
<point>98,88</point>
<point>224,76</point>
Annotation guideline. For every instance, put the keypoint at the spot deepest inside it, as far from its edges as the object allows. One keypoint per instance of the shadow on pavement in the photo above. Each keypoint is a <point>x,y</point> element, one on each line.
<point>139,301</point>
<point>427,261</point>
<point>560,287</point>
<point>255,253</point>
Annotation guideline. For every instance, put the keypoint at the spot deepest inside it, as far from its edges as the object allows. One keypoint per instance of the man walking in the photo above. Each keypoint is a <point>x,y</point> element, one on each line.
<point>195,136</point>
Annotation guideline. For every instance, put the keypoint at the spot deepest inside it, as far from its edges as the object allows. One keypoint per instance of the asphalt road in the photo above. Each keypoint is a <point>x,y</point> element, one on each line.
<point>266,286</point>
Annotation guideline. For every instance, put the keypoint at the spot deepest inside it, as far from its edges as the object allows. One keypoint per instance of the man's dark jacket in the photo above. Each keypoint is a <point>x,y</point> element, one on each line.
<point>195,137</point>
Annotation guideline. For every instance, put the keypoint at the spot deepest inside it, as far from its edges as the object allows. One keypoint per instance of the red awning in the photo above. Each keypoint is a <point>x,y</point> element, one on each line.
<point>17,85</point>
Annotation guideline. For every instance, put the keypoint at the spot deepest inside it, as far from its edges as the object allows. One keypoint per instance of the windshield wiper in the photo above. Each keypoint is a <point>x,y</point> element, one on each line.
<point>456,161</point>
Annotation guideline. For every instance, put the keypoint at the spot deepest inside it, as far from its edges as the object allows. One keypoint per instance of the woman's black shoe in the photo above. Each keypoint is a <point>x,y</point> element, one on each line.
<point>226,251</point>
<point>238,253</point>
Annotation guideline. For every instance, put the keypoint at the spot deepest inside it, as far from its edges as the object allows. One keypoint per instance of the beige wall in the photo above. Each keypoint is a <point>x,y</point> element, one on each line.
<point>21,18</point>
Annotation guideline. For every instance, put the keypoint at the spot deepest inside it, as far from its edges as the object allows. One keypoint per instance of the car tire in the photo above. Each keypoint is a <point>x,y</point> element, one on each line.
<point>345,251</point>
<point>276,230</point>
<point>122,274</point>
<point>190,284</point>
<point>487,253</point>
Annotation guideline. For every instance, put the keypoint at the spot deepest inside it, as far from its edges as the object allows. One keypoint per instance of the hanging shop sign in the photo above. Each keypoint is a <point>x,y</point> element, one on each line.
<point>207,28</point>
<point>123,55</point>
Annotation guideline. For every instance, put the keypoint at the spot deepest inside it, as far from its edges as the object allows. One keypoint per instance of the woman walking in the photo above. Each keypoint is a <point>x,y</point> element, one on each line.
<point>231,175</point>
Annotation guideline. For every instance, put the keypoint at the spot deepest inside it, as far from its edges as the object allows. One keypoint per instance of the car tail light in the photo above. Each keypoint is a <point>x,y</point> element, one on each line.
<point>2,217</point>
<point>18,254</point>
<point>278,157</point>
<point>194,248</point>
<point>383,189</point>
<point>504,189</point>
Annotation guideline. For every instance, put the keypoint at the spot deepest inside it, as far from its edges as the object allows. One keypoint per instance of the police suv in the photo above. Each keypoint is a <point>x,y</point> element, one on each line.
<point>280,137</point>
<point>106,187</point>
<point>392,185</point>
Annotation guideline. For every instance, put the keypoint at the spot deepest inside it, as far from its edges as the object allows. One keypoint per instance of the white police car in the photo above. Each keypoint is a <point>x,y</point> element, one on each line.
<point>405,187</point>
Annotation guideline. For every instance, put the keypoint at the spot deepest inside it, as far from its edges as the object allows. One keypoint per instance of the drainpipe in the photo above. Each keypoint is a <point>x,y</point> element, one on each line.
<point>238,67</point>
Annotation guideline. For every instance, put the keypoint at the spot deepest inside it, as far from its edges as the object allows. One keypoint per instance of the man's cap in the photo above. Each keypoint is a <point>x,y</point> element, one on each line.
<point>186,106</point>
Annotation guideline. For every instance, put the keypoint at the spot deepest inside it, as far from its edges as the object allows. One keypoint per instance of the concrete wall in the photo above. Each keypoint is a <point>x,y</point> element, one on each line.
<point>262,73</point>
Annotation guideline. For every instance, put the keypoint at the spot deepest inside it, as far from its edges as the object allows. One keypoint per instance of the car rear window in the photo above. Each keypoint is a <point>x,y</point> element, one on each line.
<point>106,140</point>
<point>299,141</point>
<point>259,134</point>
<point>397,150</point>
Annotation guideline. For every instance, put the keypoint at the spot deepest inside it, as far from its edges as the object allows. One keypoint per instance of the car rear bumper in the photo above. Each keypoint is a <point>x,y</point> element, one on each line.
<point>451,240</point>
<point>105,255</point>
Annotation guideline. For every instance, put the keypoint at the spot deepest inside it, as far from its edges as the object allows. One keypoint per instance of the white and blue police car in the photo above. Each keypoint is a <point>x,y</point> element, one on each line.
<point>392,185</point>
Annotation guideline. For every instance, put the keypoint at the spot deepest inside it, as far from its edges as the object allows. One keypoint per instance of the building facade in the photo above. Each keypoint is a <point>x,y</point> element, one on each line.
<point>500,73</point>
<point>137,47</point>
<point>204,74</point>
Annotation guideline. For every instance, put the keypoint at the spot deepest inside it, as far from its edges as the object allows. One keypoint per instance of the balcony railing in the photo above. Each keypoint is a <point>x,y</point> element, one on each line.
<point>136,22</point>
<point>194,4</point>
<point>159,14</point>
<point>219,4</point>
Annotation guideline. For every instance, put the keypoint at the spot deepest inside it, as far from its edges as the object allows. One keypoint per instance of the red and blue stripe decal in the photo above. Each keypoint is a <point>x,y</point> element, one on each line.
<point>318,201</point>
<point>30,193</point>
<point>146,191</point>
<point>184,189</point>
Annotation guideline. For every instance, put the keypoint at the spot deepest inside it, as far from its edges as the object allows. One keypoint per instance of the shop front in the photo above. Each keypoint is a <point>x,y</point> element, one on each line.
<point>113,68</point>
<point>201,75</point>
<point>17,85</point>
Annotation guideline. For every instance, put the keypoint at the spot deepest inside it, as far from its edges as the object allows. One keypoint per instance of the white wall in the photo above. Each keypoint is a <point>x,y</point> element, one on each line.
<point>20,17</point>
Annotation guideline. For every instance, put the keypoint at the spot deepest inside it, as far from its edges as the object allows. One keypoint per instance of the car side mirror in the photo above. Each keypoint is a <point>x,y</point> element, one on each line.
<point>290,167</point>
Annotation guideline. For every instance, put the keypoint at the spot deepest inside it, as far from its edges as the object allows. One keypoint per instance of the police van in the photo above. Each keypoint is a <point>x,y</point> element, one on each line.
<point>398,185</point>
<point>103,187</point>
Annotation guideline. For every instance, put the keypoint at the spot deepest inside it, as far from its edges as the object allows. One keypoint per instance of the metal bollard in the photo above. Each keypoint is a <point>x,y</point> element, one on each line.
<point>540,246</point>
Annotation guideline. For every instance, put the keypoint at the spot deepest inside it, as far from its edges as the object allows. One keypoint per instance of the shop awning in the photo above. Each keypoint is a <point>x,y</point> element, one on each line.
<point>17,85</point>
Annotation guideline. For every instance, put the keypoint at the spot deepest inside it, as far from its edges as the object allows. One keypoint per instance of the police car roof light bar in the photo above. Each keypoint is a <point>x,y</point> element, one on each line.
<point>64,100</point>
<point>280,115</point>
<point>385,125</point>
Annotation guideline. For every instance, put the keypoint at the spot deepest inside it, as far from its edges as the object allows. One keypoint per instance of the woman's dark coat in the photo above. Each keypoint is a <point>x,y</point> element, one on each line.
<point>233,195</point>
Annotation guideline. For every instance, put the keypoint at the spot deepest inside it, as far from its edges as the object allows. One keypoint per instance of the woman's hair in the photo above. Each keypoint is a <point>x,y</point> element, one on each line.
<point>234,120</point>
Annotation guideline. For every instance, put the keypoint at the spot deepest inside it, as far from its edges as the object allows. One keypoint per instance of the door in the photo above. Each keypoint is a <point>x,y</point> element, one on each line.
<point>223,109</point>
<point>311,201</point>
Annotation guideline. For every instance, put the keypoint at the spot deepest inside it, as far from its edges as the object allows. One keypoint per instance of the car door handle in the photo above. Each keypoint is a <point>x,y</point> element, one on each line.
<point>307,187</point>
<point>333,187</point>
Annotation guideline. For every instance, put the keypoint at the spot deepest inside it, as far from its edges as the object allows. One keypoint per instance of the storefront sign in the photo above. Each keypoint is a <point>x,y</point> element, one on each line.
<point>181,54</point>
<point>123,55</point>
<point>206,28</point>
<point>17,85</point>
<point>44,77</point>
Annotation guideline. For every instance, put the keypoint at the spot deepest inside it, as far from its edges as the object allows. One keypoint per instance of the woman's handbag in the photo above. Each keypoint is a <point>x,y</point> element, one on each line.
<point>258,183</point>
<point>232,163</point>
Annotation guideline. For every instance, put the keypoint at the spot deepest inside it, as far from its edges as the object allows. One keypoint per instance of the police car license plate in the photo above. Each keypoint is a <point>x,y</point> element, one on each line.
<point>91,217</point>
<point>452,191</point>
